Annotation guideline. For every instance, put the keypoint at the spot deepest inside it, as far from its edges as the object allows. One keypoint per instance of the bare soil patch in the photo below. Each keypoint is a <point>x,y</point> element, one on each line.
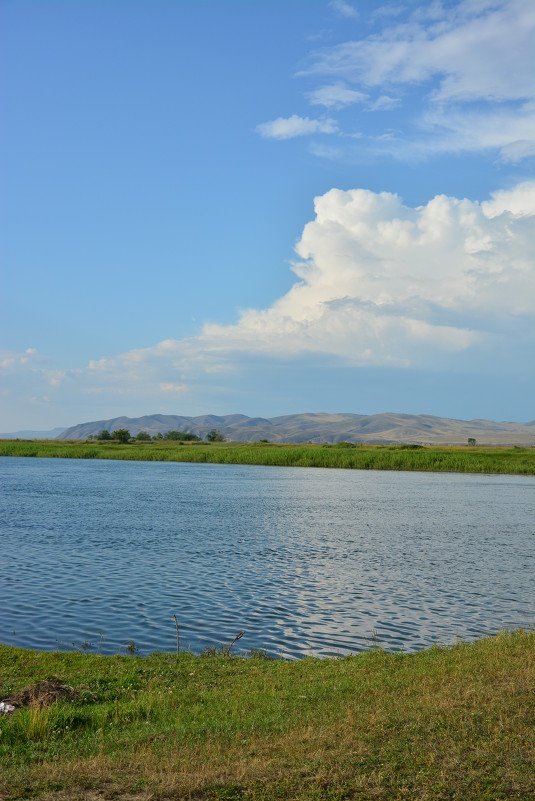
<point>44,693</point>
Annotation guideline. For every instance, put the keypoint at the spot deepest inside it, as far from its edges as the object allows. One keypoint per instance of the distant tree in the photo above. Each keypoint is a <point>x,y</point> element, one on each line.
<point>471,441</point>
<point>174,435</point>
<point>143,436</point>
<point>121,435</point>
<point>158,435</point>
<point>215,436</point>
<point>104,434</point>
<point>182,436</point>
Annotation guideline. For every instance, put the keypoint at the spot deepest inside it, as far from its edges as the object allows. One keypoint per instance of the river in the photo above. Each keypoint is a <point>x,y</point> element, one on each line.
<point>99,555</point>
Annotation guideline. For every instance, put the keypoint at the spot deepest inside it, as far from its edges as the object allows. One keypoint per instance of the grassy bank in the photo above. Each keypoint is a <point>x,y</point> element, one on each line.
<point>445,723</point>
<point>520,461</point>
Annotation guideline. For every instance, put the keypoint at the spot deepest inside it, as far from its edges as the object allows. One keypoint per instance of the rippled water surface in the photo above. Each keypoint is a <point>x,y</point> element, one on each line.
<point>306,561</point>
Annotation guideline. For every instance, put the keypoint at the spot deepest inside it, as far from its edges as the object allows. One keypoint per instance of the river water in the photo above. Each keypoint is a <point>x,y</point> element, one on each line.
<point>100,554</point>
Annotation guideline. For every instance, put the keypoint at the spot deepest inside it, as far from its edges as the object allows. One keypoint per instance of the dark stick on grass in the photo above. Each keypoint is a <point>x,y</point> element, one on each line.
<point>177,638</point>
<point>237,637</point>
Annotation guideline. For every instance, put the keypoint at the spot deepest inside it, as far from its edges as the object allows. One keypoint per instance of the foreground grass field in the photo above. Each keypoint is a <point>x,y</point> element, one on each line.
<point>519,461</point>
<point>444,723</point>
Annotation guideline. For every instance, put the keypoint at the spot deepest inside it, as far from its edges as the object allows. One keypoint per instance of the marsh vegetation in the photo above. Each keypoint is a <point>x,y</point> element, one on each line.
<point>473,459</point>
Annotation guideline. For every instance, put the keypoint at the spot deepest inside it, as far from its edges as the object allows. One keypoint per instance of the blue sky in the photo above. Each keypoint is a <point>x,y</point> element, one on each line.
<point>266,208</point>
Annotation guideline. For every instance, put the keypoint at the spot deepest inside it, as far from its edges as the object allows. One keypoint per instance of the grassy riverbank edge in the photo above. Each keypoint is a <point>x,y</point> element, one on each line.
<point>447,722</point>
<point>503,460</point>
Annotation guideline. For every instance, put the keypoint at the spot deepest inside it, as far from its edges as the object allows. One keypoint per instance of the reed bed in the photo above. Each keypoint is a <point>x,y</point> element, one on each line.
<point>515,460</point>
<point>448,722</point>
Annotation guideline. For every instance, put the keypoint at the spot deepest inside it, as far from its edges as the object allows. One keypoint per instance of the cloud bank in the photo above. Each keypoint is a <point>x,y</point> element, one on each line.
<point>385,284</point>
<point>379,284</point>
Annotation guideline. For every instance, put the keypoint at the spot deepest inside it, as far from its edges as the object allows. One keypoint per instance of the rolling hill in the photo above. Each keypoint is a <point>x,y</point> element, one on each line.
<point>321,427</point>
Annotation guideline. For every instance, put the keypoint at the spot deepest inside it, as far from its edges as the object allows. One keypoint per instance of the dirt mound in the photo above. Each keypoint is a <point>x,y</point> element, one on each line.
<point>44,693</point>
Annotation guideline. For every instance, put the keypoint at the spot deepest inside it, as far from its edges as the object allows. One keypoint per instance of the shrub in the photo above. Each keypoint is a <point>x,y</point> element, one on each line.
<point>215,436</point>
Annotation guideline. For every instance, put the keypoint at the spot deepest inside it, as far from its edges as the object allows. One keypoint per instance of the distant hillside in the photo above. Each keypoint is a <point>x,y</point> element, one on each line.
<point>52,434</point>
<point>376,428</point>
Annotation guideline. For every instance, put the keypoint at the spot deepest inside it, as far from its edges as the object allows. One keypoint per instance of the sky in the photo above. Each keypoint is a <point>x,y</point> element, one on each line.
<point>266,208</point>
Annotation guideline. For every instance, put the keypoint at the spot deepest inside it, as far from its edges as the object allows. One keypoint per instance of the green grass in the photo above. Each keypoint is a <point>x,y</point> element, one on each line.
<point>519,461</point>
<point>444,723</point>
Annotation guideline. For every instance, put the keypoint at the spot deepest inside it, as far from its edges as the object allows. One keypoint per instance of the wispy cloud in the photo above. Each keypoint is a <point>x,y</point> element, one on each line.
<point>468,50</point>
<point>384,103</point>
<point>10,360</point>
<point>336,96</point>
<point>290,127</point>
<point>326,151</point>
<point>456,131</point>
<point>344,9</point>
<point>509,132</point>
<point>459,77</point>
<point>175,389</point>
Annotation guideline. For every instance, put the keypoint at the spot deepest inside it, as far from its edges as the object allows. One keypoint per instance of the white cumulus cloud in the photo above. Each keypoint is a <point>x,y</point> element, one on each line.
<point>445,286</point>
<point>384,283</point>
<point>379,283</point>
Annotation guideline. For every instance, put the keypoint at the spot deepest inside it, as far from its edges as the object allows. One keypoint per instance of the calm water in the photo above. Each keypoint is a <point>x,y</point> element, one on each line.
<point>306,561</point>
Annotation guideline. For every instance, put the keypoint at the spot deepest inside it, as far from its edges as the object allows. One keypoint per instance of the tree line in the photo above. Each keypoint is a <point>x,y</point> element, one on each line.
<point>123,436</point>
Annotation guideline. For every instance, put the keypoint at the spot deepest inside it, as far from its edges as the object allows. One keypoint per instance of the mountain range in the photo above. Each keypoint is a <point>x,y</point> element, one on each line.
<point>321,427</point>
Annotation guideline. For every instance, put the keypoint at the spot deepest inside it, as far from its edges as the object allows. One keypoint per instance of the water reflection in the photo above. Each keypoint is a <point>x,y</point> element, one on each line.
<point>306,561</point>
